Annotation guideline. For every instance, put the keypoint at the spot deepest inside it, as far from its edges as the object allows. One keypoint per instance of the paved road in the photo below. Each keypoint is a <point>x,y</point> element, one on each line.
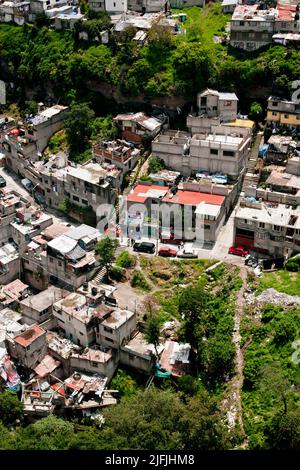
<point>13,182</point>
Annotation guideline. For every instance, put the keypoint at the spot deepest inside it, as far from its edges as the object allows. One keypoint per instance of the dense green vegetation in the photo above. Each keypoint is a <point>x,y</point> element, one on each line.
<point>57,63</point>
<point>153,419</point>
<point>271,378</point>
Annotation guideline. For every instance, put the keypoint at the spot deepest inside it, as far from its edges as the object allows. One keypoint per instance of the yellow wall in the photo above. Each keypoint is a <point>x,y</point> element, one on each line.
<point>290,120</point>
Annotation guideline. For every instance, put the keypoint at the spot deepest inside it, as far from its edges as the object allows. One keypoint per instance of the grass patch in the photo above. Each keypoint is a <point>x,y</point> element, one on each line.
<point>282,281</point>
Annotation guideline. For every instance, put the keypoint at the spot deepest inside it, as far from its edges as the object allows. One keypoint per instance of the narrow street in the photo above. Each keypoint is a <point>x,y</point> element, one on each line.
<point>14,183</point>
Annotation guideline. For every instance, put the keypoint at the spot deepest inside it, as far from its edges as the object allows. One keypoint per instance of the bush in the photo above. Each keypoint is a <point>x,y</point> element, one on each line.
<point>293,264</point>
<point>156,164</point>
<point>139,281</point>
<point>117,274</point>
<point>125,260</point>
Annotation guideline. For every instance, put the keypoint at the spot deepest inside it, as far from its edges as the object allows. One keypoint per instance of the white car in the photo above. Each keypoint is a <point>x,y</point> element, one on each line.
<point>27,184</point>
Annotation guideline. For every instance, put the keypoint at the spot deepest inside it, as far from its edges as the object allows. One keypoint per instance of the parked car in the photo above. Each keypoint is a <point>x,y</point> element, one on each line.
<point>170,238</point>
<point>27,184</point>
<point>2,182</point>
<point>167,252</point>
<point>239,251</point>
<point>144,247</point>
<point>187,253</point>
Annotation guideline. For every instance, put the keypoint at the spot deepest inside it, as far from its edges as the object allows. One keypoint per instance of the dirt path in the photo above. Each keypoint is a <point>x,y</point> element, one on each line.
<point>232,404</point>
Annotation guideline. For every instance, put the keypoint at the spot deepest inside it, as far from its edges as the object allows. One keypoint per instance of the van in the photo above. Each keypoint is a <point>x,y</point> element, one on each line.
<point>144,247</point>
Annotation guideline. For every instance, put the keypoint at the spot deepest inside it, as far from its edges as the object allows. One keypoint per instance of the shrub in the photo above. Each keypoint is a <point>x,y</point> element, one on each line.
<point>293,264</point>
<point>139,281</point>
<point>125,260</point>
<point>117,274</point>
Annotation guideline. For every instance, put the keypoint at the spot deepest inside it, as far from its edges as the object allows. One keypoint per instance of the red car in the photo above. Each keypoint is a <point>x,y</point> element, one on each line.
<point>238,250</point>
<point>171,241</point>
<point>167,252</point>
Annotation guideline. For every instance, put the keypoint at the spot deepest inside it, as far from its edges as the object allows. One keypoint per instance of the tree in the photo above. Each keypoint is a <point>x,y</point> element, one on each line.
<point>103,128</point>
<point>152,331</point>
<point>46,434</point>
<point>78,127</point>
<point>283,431</point>
<point>191,307</point>
<point>256,111</point>
<point>156,164</point>
<point>147,420</point>
<point>202,424</point>
<point>275,382</point>
<point>11,409</point>
<point>106,249</point>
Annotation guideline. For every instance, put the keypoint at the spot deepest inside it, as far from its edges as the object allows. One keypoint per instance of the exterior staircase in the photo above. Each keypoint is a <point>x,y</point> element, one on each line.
<point>98,278</point>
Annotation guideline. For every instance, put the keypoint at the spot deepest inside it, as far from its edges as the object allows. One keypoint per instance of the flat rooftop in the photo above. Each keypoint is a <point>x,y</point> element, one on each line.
<point>219,139</point>
<point>271,214</point>
<point>8,253</point>
<point>94,355</point>
<point>94,172</point>
<point>139,345</point>
<point>29,335</point>
<point>117,317</point>
<point>43,300</point>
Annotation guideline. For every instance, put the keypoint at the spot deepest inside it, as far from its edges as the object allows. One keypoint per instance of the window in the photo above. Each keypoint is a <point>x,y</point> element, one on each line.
<point>228,153</point>
<point>50,259</point>
<point>84,201</point>
<point>59,263</point>
<point>108,339</point>
<point>277,228</point>
<point>114,4</point>
<point>76,198</point>
<point>206,227</point>
<point>214,151</point>
<point>274,103</point>
<point>109,330</point>
<point>286,116</point>
<point>274,113</point>
<point>28,347</point>
<point>245,221</point>
<point>80,333</point>
<point>94,364</point>
<point>261,224</point>
<point>242,23</point>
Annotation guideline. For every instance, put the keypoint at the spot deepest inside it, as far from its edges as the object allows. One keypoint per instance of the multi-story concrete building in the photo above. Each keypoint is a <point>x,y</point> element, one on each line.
<point>252,28</point>
<point>223,150</point>
<point>41,6</point>
<point>207,210</point>
<point>9,263</point>
<point>10,203</point>
<point>38,308</point>
<point>269,228</point>
<point>43,125</point>
<point>29,222</point>
<point>283,113</point>
<point>29,347</point>
<point>149,6</point>
<point>14,11</point>
<point>212,103</point>
<point>59,258</point>
<point>86,325</point>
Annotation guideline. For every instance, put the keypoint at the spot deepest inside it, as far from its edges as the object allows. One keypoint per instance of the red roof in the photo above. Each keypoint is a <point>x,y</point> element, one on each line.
<point>193,198</point>
<point>139,194</point>
<point>29,335</point>
<point>286,12</point>
<point>185,197</point>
